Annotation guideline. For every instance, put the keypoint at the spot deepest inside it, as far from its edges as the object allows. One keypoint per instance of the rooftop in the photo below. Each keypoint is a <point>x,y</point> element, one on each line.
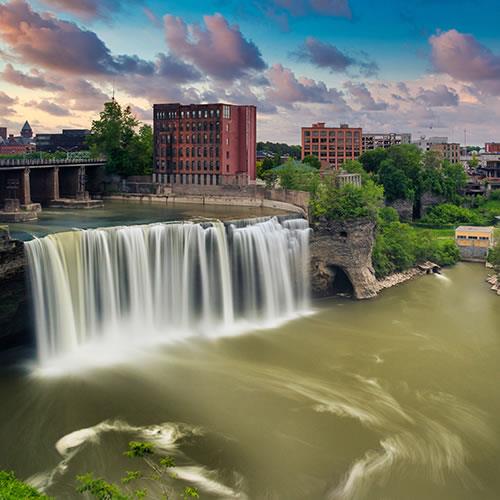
<point>475,229</point>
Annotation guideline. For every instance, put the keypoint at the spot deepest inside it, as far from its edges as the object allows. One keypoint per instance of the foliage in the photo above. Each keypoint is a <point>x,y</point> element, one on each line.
<point>128,151</point>
<point>280,149</point>
<point>356,167</point>
<point>495,195</point>
<point>451,214</point>
<point>293,175</point>
<point>400,173</point>
<point>313,161</point>
<point>346,202</point>
<point>158,471</point>
<point>99,488</point>
<point>371,160</point>
<point>399,246</point>
<point>41,155</point>
<point>13,489</point>
<point>494,253</point>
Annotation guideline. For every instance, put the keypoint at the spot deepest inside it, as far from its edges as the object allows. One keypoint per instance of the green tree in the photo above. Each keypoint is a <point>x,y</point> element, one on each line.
<point>448,214</point>
<point>13,489</point>
<point>128,151</point>
<point>158,471</point>
<point>355,167</point>
<point>336,202</point>
<point>372,159</point>
<point>454,181</point>
<point>312,161</point>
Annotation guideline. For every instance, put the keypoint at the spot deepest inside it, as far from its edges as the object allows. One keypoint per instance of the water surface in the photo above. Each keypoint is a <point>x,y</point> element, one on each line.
<point>115,213</point>
<point>395,398</point>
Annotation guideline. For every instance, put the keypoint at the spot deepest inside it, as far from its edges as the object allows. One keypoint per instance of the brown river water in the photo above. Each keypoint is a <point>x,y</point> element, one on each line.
<point>395,399</point>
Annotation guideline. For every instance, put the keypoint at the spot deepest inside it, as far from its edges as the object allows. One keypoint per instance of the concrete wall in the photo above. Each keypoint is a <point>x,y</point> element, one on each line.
<point>250,196</point>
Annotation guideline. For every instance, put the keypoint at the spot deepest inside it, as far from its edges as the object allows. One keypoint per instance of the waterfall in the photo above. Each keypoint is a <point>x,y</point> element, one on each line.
<point>165,281</point>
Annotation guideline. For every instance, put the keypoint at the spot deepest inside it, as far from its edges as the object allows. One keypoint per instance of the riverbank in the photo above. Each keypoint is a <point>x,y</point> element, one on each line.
<point>404,276</point>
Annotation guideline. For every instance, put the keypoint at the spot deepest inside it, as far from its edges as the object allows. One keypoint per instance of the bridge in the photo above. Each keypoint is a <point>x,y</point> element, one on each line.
<point>39,181</point>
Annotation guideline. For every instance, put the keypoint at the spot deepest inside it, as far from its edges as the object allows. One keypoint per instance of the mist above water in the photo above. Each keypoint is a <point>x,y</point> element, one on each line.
<point>134,285</point>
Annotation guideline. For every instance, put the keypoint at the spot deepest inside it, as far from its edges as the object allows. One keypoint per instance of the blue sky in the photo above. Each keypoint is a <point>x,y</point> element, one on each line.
<point>423,66</point>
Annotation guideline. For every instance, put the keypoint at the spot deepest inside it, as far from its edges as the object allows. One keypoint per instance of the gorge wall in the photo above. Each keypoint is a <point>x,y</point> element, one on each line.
<point>14,309</point>
<point>341,258</point>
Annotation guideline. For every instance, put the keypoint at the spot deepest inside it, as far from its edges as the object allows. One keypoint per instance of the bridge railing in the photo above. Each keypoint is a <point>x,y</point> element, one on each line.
<point>11,162</point>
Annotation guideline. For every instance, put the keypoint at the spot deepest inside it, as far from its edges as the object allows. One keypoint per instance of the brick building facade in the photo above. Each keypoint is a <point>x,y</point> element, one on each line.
<point>207,144</point>
<point>332,145</point>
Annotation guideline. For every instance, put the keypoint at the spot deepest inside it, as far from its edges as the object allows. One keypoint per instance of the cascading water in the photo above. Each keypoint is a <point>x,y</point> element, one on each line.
<point>165,281</point>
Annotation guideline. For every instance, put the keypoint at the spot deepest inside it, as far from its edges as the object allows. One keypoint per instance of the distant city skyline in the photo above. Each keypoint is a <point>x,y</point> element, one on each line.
<point>425,67</point>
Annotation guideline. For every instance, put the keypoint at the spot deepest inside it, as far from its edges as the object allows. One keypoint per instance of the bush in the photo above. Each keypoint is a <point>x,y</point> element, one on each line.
<point>399,247</point>
<point>13,489</point>
<point>346,202</point>
<point>293,175</point>
<point>451,214</point>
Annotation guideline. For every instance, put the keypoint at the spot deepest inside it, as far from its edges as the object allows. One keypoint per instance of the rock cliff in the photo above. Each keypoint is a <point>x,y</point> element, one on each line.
<point>341,257</point>
<point>14,309</point>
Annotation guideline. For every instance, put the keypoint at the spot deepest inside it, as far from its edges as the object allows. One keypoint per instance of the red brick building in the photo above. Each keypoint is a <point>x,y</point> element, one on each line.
<point>332,145</point>
<point>492,147</point>
<point>207,144</point>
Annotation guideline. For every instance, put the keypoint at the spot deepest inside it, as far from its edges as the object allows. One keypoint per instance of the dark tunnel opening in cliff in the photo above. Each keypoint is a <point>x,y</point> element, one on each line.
<point>341,284</point>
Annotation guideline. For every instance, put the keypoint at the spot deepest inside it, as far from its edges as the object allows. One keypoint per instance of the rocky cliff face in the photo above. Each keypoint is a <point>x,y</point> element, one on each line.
<point>341,254</point>
<point>14,308</point>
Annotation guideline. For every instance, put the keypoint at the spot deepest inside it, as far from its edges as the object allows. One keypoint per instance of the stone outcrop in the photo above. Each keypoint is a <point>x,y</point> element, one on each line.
<point>404,208</point>
<point>14,309</point>
<point>429,200</point>
<point>494,281</point>
<point>343,248</point>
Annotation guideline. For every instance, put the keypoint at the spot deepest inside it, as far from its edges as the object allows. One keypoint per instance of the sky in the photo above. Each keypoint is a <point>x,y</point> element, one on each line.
<point>428,67</point>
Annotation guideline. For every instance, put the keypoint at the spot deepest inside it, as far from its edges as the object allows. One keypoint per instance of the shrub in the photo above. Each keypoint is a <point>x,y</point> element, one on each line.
<point>399,247</point>
<point>451,214</point>
<point>346,202</point>
<point>13,489</point>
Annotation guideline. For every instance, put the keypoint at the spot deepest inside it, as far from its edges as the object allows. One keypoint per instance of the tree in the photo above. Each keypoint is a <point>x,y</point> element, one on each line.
<point>355,167</point>
<point>115,135</point>
<point>13,489</point>
<point>346,202</point>
<point>371,160</point>
<point>400,173</point>
<point>312,161</point>
<point>454,181</point>
<point>158,471</point>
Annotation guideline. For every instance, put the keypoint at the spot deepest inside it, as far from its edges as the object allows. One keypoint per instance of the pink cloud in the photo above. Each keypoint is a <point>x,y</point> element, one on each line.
<point>218,49</point>
<point>285,89</point>
<point>463,57</point>
<point>60,45</point>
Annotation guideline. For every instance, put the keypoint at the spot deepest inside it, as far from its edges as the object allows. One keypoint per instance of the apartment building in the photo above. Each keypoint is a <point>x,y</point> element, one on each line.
<point>384,140</point>
<point>332,145</point>
<point>207,144</point>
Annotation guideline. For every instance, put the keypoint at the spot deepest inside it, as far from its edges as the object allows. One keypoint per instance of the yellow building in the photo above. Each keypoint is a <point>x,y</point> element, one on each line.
<point>474,242</point>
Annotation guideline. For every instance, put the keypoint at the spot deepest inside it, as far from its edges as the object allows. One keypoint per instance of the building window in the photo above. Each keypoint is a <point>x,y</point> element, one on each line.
<point>227,112</point>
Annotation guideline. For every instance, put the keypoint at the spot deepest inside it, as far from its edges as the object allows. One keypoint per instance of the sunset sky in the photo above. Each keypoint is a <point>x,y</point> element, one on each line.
<point>429,67</point>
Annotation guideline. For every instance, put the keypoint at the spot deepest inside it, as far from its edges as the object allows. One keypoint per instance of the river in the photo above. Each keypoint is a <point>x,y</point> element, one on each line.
<point>395,398</point>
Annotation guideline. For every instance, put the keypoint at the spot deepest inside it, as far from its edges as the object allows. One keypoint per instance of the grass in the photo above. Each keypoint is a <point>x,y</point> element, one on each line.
<point>439,233</point>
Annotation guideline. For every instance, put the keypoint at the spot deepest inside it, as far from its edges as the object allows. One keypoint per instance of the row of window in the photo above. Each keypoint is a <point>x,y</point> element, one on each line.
<point>205,152</point>
<point>197,113</point>
<point>193,165</point>
<point>331,133</point>
<point>463,237</point>
<point>331,140</point>
<point>190,139</point>
<point>200,126</point>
